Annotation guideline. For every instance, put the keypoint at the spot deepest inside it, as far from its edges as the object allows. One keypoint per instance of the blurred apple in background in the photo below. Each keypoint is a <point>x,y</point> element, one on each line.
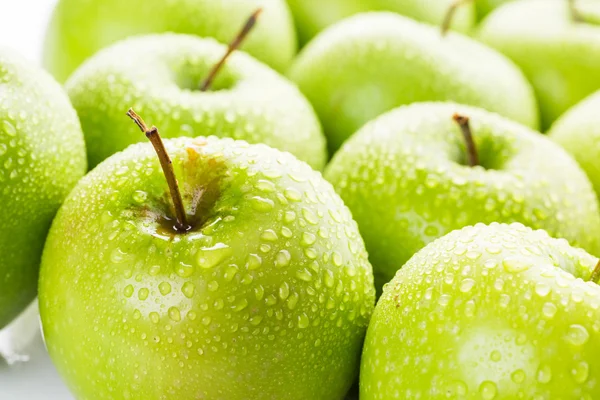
<point>370,63</point>
<point>79,29</point>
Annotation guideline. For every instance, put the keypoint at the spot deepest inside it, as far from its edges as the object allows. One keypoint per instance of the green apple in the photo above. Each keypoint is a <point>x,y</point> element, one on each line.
<point>248,100</point>
<point>78,29</point>
<point>578,131</point>
<point>557,53</point>
<point>406,180</point>
<point>267,294</point>
<point>487,312</point>
<point>42,156</point>
<point>312,16</point>
<point>374,62</point>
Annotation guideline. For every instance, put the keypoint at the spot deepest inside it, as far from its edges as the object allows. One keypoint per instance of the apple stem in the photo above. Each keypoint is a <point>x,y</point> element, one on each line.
<point>234,45</point>
<point>449,16</point>
<point>595,273</point>
<point>575,14</point>
<point>167,167</point>
<point>465,127</point>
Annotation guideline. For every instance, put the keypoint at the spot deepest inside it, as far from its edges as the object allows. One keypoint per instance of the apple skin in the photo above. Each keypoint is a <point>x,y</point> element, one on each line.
<point>79,28</point>
<point>487,312</point>
<point>371,63</point>
<point>404,177</point>
<point>42,156</point>
<point>268,297</point>
<point>249,100</point>
<point>484,7</point>
<point>578,132</point>
<point>312,16</point>
<point>558,56</point>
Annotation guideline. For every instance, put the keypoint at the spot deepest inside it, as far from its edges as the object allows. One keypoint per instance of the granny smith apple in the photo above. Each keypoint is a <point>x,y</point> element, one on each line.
<point>263,292</point>
<point>578,131</point>
<point>487,312</point>
<point>42,156</point>
<point>312,16</point>
<point>374,62</point>
<point>407,180</point>
<point>78,29</point>
<point>557,48</point>
<point>161,75</point>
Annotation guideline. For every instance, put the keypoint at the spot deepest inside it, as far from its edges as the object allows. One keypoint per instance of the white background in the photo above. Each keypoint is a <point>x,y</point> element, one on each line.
<point>23,23</point>
<point>22,27</point>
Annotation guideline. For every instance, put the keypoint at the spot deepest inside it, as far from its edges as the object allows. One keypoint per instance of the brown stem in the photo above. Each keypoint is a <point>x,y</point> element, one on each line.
<point>167,167</point>
<point>575,14</point>
<point>447,21</point>
<point>465,127</point>
<point>595,273</point>
<point>234,45</point>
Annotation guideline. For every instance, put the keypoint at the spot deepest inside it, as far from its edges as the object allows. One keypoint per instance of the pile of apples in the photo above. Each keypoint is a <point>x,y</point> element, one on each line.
<point>381,205</point>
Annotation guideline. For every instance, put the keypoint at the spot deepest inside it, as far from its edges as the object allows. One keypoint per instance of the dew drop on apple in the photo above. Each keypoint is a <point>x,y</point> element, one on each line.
<point>549,310</point>
<point>139,196</point>
<point>253,262</point>
<point>514,264</point>
<point>9,128</point>
<point>304,275</point>
<point>303,321</point>
<point>284,291</point>
<point>188,289</point>
<point>212,256</point>
<point>143,294</point>
<point>518,376</point>
<point>240,305</point>
<point>164,288</point>
<point>488,390</point>
<point>262,204</point>
<point>542,289</point>
<point>128,292</point>
<point>580,372</point>
<point>283,258</point>
<point>544,374</point>
<point>466,285</point>
<point>577,335</point>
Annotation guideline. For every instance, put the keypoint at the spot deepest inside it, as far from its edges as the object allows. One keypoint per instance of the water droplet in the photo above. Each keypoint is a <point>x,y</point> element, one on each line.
<point>240,305</point>
<point>265,186</point>
<point>514,264</point>
<point>212,256</point>
<point>143,294</point>
<point>283,258</point>
<point>307,239</point>
<point>304,275</point>
<point>230,272</point>
<point>140,196</point>
<point>577,335</point>
<point>184,270</point>
<point>309,216</point>
<point>174,314</point>
<point>261,204</point>
<point>488,390</point>
<point>466,285</point>
<point>188,289</point>
<point>580,372</point>
<point>292,194</point>
<point>542,289</point>
<point>544,374</point>
<point>154,317</point>
<point>269,235</point>
<point>292,301</point>
<point>548,310</point>
<point>303,321</point>
<point>154,270</point>
<point>284,291</point>
<point>213,286</point>
<point>164,288</point>
<point>328,278</point>
<point>128,292</point>
<point>337,259</point>
<point>495,356</point>
<point>9,128</point>
<point>253,262</point>
<point>518,376</point>
<point>290,216</point>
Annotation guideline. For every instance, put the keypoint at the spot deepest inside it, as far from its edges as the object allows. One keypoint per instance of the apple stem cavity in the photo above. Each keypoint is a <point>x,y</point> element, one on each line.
<point>233,46</point>
<point>465,127</point>
<point>152,134</point>
<point>595,277</point>
<point>575,14</point>
<point>449,16</point>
